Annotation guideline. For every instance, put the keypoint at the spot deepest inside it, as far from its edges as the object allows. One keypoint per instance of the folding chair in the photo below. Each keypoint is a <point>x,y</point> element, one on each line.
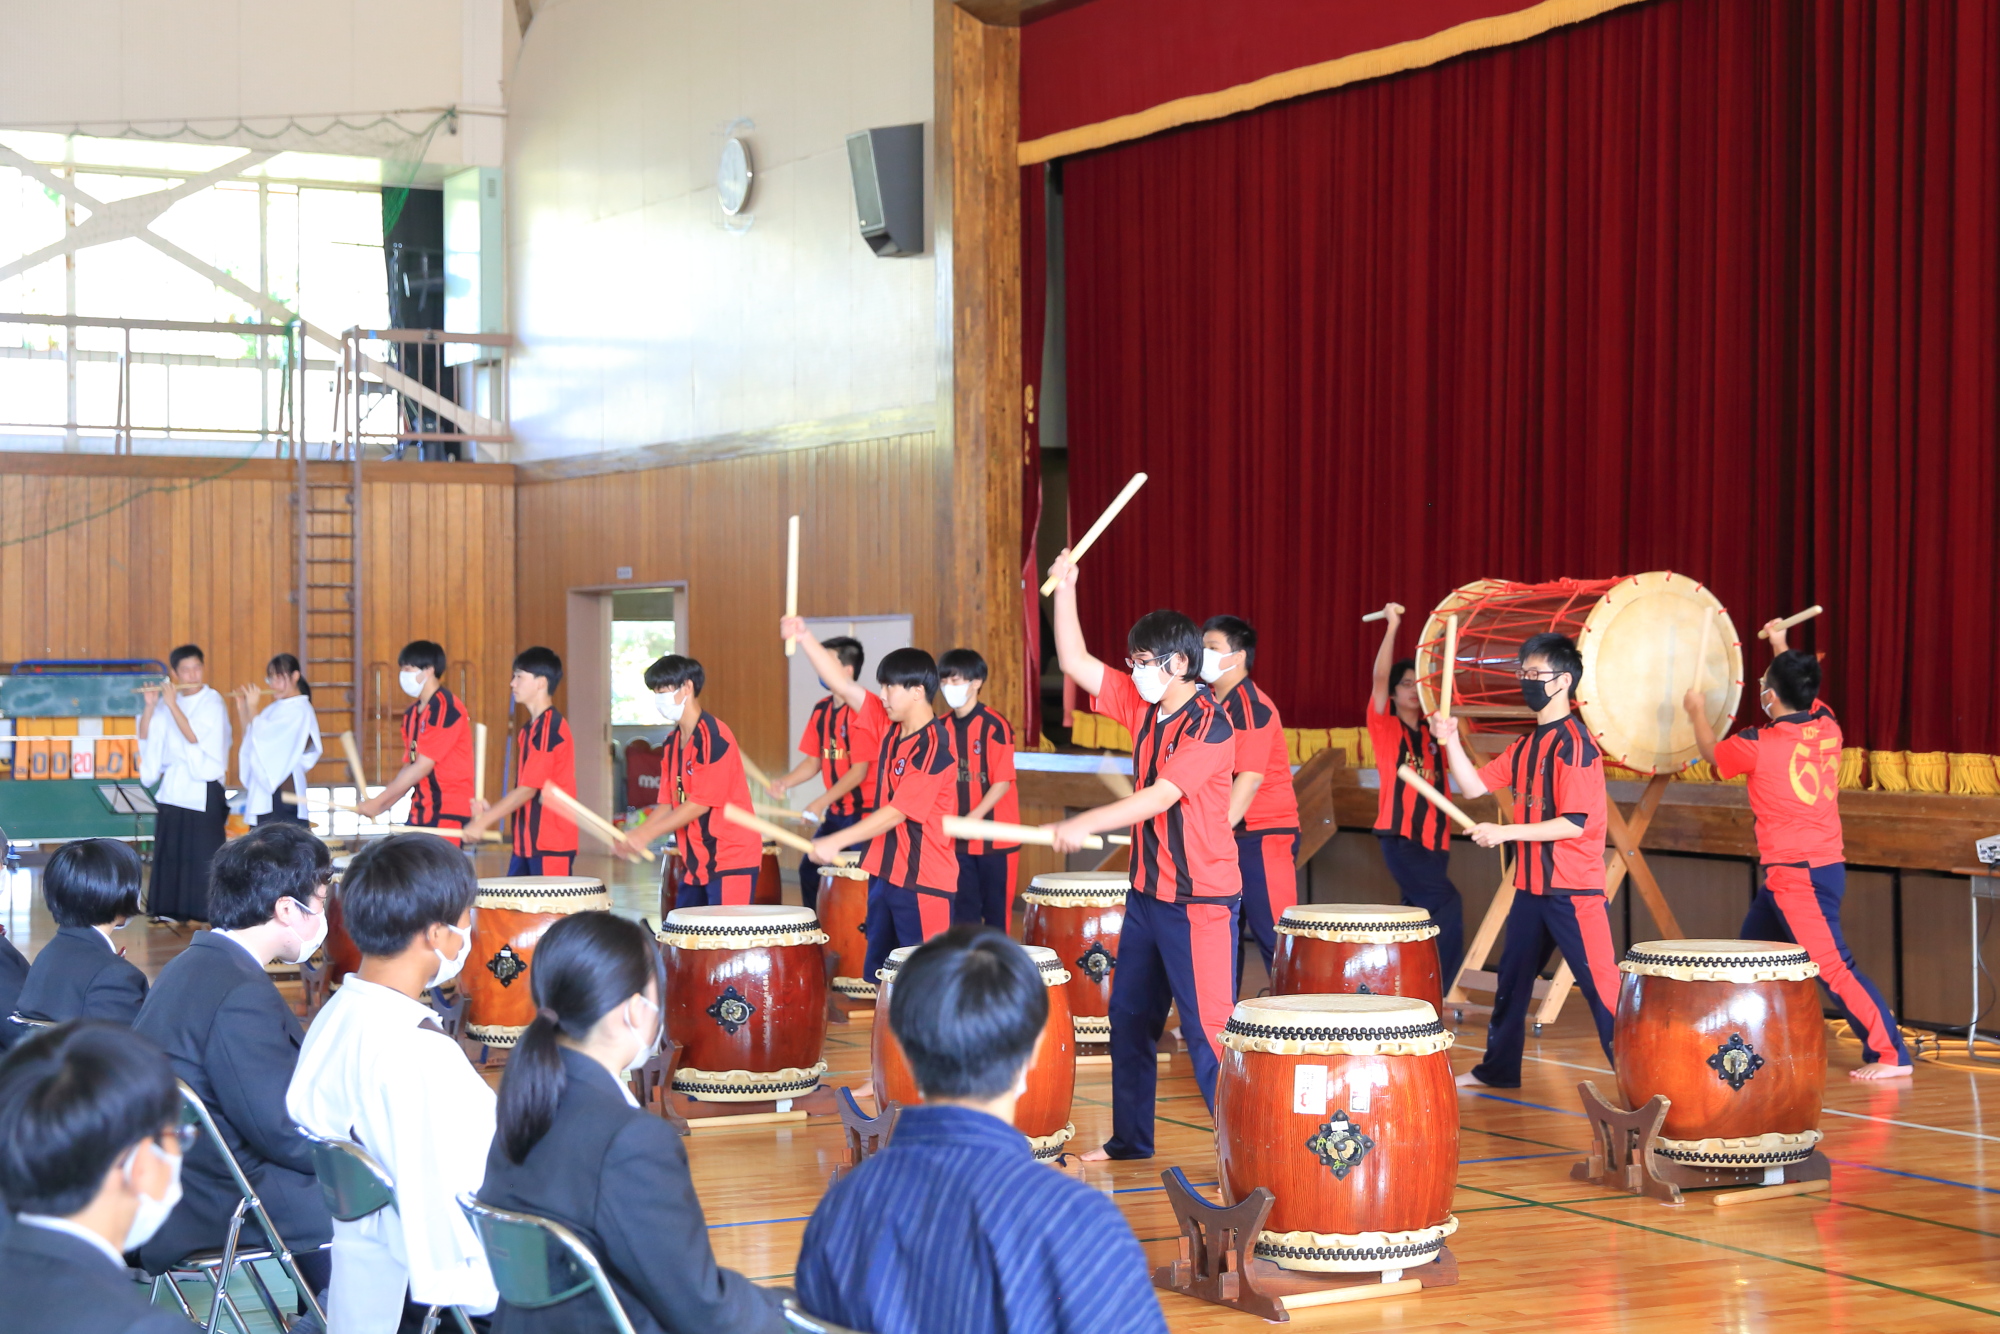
<point>355,1186</point>
<point>537,1262</point>
<point>796,1318</point>
<point>216,1266</point>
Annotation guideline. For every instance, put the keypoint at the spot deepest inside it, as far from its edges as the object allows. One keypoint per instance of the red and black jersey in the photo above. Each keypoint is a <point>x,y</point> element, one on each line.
<point>543,754</point>
<point>1794,768</point>
<point>1400,810</point>
<point>983,743</point>
<point>1556,771</point>
<point>703,765</point>
<point>439,730</point>
<point>1260,748</point>
<point>1186,852</point>
<point>913,774</point>
<point>837,738</point>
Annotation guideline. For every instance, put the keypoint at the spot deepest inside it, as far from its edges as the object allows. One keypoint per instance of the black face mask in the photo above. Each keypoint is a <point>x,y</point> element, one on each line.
<point>1535,694</point>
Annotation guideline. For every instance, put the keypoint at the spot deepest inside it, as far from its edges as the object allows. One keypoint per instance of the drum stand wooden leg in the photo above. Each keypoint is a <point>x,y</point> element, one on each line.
<point>1624,859</point>
<point>653,1085</point>
<point>865,1134</point>
<point>1626,1157</point>
<point>1217,1263</point>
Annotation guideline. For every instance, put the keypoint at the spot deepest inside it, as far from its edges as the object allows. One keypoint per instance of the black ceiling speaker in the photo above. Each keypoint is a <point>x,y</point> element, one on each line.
<point>888,169</point>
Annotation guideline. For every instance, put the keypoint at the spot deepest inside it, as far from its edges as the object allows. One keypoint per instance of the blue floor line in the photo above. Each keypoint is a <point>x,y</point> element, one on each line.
<point>1517,1157</point>
<point>1540,1107</point>
<point>1916,1176</point>
<point>759,1222</point>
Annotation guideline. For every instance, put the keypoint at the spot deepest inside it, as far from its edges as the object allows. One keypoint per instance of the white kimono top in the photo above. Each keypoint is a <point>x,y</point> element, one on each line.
<point>282,743</point>
<point>184,768</point>
<point>372,1072</point>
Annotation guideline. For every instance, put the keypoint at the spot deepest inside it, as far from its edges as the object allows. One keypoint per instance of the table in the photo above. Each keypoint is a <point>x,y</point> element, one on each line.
<point>59,810</point>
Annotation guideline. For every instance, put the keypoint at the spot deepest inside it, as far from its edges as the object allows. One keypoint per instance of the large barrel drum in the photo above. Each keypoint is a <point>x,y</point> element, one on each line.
<point>843,915</point>
<point>746,1001</point>
<point>342,955</point>
<point>1079,915</point>
<point>1342,1107</point>
<point>1381,949</point>
<point>1731,1032</point>
<point>1042,1114</point>
<point>508,919</point>
<point>1639,637</point>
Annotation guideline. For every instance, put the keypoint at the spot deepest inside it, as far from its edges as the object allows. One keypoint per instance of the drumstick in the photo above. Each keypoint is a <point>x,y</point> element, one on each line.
<point>1450,663</point>
<point>792,578</point>
<point>353,754</point>
<point>1794,619</point>
<point>775,833</point>
<point>490,836</point>
<point>957,826</point>
<point>756,775</point>
<point>1119,502</point>
<point>1383,614</point>
<point>1435,797</point>
<point>583,815</point>
<point>479,762</point>
<point>781,813</point>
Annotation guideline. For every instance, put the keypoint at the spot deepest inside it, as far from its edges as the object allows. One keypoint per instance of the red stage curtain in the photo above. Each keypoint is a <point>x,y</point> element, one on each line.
<point>1702,285</point>
<point>1034,302</point>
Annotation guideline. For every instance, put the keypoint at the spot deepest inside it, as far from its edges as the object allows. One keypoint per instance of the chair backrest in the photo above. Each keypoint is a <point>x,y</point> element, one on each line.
<point>354,1184</point>
<point>199,1111</point>
<point>26,1021</point>
<point>796,1318</point>
<point>537,1262</point>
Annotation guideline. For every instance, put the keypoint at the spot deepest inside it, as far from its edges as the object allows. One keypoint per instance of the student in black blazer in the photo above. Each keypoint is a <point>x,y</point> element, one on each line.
<point>92,889</point>
<point>231,1036</point>
<point>90,1156</point>
<point>13,973</point>
<point>572,1147</point>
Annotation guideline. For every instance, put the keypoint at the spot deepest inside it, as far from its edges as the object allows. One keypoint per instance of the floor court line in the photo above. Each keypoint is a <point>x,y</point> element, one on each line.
<point>1914,1218</point>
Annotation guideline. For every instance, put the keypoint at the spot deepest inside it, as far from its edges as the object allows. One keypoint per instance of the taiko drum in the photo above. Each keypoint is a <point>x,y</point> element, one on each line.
<point>1380,949</point>
<point>770,884</point>
<point>746,1001</point>
<point>343,956</point>
<point>1079,915</point>
<point>843,915</point>
<point>1042,1114</point>
<point>1731,1032</point>
<point>1342,1107</point>
<point>508,919</point>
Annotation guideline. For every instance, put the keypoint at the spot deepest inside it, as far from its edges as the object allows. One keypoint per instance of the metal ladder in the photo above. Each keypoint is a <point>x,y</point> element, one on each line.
<point>326,584</point>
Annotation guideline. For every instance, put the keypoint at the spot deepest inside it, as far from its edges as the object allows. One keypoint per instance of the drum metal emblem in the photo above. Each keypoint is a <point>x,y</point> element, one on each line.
<point>1339,1145</point>
<point>1097,962</point>
<point>731,1010</point>
<point>506,965</point>
<point>1735,1061</point>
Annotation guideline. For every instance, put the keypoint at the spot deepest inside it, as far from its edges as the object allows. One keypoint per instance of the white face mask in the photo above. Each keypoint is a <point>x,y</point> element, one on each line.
<point>448,968</point>
<point>957,693</point>
<point>669,706</point>
<point>152,1214</point>
<point>1211,665</point>
<point>313,941</point>
<point>412,682</point>
<point>1151,682</point>
<point>647,1050</point>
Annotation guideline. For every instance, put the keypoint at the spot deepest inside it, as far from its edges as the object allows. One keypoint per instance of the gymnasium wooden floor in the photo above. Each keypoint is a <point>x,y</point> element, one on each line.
<point>1908,1241</point>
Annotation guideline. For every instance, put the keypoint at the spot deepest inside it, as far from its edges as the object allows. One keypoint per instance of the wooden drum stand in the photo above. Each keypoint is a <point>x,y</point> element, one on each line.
<point>1624,1156</point>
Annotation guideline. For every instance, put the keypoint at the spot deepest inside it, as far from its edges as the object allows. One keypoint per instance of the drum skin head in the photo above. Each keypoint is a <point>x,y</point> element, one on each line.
<point>1337,1011</point>
<point>749,916</point>
<point>1384,914</point>
<point>1639,645</point>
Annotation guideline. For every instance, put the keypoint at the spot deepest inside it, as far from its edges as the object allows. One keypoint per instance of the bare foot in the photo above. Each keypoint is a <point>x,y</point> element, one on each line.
<point>1881,1070</point>
<point>867,1089</point>
<point>1096,1155</point>
<point>1468,1080</point>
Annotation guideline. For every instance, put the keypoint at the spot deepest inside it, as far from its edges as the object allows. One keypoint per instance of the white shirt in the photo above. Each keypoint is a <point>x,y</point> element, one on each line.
<point>184,769</point>
<point>282,742</point>
<point>369,1071</point>
<point>75,1229</point>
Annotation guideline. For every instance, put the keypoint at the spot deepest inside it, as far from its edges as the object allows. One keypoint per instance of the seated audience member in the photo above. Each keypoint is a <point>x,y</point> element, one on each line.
<point>13,974</point>
<point>92,889</point>
<point>90,1166</point>
<point>234,1040</point>
<point>574,1147</point>
<point>953,1225</point>
<point>378,1069</point>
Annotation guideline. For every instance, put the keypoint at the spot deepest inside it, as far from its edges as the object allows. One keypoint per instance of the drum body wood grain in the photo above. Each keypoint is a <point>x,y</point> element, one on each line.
<point>746,1001</point>
<point>1043,1111</point>
<point>843,915</point>
<point>1344,1108</point>
<point>770,884</point>
<point>343,956</point>
<point>1358,949</point>
<point>508,919</point>
<point>1079,915</point>
<point>1731,1032</point>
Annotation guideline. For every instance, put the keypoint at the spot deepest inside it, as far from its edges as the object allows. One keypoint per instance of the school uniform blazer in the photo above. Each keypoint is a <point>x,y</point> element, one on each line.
<point>230,1035</point>
<point>59,1282</point>
<point>618,1177</point>
<point>13,975</point>
<point>79,976</point>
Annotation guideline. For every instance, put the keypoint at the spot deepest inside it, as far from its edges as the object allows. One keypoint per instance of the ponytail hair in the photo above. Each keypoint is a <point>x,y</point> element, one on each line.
<point>584,967</point>
<point>287,665</point>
